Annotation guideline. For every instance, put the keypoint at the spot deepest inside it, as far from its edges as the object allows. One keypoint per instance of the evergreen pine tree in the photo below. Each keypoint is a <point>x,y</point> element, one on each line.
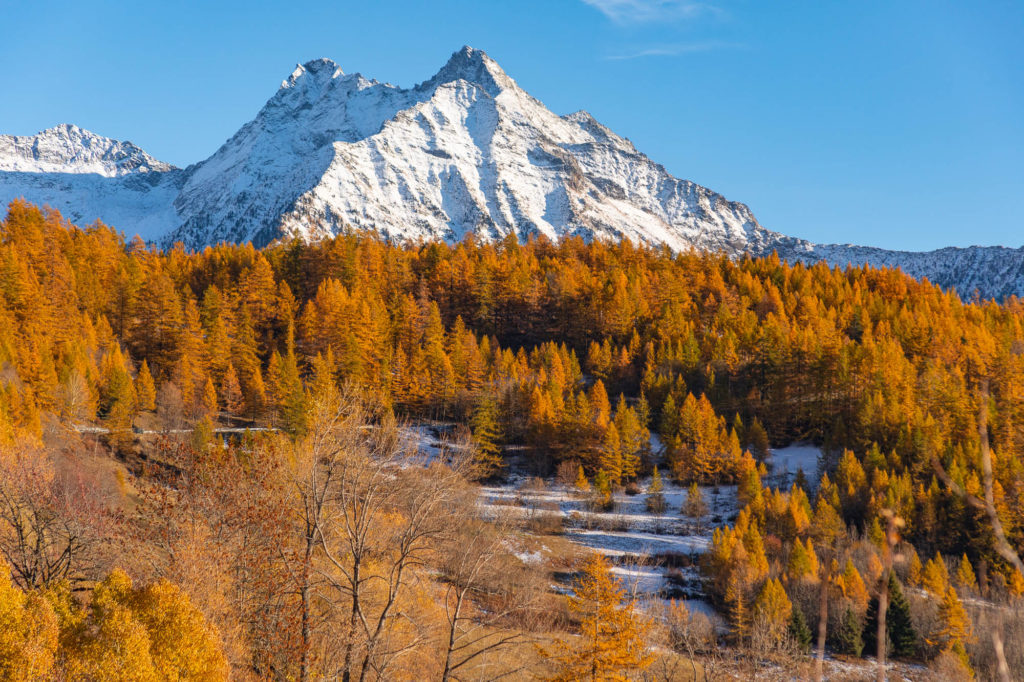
<point>800,481</point>
<point>757,440</point>
<point>847,639</point>
<point>799,631</point>
<point>898,626</point>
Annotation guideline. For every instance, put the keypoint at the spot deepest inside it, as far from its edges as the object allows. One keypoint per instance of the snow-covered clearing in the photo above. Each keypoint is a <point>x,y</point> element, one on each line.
<point>654,553</point>
<point>784,463</point>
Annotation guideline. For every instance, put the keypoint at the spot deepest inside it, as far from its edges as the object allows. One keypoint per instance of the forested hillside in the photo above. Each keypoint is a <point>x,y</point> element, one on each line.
<point>570,355</point>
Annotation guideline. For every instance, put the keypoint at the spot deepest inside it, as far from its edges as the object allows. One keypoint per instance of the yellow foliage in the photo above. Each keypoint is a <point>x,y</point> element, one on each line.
<point>955,629</point>
<point>126,634</point>
<point>853,586</point>
<point>612,634</point>
<point>1016,584</point>
<point>772,606</point>
<point>914,569</point>
<point>28,632</point>
<point>183,646</point>
<point>110,645</point>
<point>965,574</point>
<point>935,577</point>
<point>803,561</point>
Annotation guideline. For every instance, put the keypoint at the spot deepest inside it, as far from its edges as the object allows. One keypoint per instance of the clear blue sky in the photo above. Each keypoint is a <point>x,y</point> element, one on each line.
<point>896,123</point>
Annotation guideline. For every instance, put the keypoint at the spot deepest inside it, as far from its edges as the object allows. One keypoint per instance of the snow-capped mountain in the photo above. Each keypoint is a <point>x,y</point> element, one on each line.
<point>69,149</point>
<point>88,177</point>
<point>465,151</point>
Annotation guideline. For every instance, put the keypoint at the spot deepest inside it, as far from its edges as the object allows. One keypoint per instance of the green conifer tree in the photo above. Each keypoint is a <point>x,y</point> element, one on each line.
<point>898,626</point>
<point>798,629</point>
<point>847,639</point>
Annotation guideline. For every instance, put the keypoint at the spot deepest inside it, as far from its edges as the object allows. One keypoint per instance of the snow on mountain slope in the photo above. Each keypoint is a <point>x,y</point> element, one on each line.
<point>991,271</point>
<point>141,204</point>
<point>88,177</point>
<point>69,149</point>
<point>465,151</point>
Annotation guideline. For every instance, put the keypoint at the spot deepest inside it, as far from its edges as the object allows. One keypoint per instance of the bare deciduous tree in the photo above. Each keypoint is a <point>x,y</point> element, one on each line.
<point>373,507</point>
<point>46,520</point>
<point>477,567</point>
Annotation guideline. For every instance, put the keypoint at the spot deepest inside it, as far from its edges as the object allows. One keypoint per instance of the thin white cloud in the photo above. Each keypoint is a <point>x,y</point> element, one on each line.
<point>676,49</point>
<point>646,11</point>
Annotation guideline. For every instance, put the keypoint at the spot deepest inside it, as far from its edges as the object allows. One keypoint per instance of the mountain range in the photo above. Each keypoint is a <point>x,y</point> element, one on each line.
<point>467,151</point>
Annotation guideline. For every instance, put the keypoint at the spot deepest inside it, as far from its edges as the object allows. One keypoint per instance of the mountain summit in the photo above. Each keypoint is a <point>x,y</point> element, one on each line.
<point>69,149</point>
<point>473,66</point>
<point>466,151</point>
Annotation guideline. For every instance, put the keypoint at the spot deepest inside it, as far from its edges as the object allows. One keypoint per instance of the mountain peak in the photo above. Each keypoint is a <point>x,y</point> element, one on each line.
<point>65,129</point>
<point>320,70</point>
<point>323,65</point>
<point>66,148</point>
<point>474,66</point>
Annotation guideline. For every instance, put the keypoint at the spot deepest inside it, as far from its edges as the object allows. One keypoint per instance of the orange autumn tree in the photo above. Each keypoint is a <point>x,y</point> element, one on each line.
<point>612,633</point>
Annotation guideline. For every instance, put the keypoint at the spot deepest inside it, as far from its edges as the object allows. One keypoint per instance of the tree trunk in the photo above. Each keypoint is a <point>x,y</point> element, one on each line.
<point>883,606</point>
<point>819,663</point>
<point>304,596</point>
<point>353,623</point>
<point>452,632</point>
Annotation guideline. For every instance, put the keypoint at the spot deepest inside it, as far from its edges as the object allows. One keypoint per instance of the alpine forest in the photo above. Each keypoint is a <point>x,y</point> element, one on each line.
<point>358,458</point>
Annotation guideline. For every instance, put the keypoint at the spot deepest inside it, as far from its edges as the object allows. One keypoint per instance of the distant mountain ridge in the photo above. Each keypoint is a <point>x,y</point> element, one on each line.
<point>465,151</point>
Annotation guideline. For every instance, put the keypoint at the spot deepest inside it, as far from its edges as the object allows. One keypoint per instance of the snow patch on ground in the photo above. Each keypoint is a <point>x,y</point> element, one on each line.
<point>783,464</point>
<point>654,554</point>
<point>638,544</point>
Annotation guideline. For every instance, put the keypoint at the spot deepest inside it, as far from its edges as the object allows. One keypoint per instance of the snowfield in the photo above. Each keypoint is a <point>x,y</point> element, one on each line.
<point>655,554</point>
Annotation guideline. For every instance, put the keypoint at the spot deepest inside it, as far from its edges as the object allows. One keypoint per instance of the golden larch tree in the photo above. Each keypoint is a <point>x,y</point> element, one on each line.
<point>612,632</point>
